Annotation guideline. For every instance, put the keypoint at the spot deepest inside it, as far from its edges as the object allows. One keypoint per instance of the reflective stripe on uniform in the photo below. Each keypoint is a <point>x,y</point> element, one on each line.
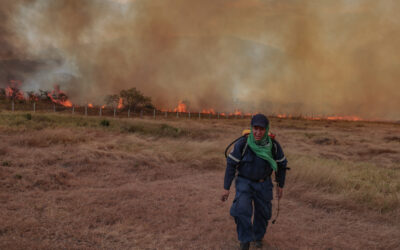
<point>244,149</point>
<point>233,158</point>
<point>281,160</point>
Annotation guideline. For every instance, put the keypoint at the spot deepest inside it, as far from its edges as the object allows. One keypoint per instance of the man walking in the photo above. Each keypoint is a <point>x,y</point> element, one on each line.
<point>254,159</point>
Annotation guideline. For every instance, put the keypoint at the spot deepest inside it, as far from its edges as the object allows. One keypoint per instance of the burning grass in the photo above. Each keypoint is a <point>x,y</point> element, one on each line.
<point>72,182</point>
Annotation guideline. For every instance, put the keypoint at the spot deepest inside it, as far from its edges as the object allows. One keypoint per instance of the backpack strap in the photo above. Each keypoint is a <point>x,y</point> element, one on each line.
<point>244,150</point>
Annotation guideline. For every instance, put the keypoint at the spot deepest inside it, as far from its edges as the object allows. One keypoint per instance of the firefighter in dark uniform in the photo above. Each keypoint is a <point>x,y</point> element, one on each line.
<point>254,158</point>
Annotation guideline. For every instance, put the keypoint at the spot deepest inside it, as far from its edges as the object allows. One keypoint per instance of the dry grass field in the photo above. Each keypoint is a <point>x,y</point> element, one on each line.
<point>72,182</point>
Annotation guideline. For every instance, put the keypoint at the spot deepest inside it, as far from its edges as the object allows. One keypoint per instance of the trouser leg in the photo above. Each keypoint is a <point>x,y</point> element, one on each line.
<point>242,210</point>
<point>262,210</point>
<point>262,214</point>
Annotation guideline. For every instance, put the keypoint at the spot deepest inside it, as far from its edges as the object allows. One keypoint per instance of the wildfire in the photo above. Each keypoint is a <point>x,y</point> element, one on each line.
<point>59,97</point>
<point>330,118</point>
<point>181,107</point>
<point>90,105</point>
<point>120,103</point>
<point>13,91</point>
<point>208,111</point>
<point>345,118</point>
<point>283,116</point>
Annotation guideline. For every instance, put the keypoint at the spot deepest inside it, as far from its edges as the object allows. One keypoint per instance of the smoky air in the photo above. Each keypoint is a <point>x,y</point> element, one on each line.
<point>292,57</point>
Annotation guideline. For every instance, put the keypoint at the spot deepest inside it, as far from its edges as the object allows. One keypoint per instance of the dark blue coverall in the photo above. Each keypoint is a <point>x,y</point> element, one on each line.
<point>253,186</point>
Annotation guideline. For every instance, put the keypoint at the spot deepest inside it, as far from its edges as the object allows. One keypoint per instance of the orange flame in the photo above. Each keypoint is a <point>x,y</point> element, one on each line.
<point>120,103</point>
<point>59,97</point>
<point>181,107</point>
<point>13,90</point>
<point>329,118</point>
<point>237,112</point>
<point>284,116</point>
<point>208,111</point>
<point>344,118</point>
<point>90,105</point>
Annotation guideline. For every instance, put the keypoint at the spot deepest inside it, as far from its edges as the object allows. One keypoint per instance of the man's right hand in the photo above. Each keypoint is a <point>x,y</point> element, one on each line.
<point>225,195</point>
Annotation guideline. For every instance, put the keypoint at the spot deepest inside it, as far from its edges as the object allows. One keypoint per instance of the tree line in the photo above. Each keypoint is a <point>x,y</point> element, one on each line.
<point>130,99</point>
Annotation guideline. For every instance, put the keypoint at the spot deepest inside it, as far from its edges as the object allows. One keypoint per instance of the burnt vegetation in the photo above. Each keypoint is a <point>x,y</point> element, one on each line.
<point>130,100</point>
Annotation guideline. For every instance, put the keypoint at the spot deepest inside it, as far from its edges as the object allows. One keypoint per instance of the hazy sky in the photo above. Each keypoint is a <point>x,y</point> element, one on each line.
<point>299,57</point>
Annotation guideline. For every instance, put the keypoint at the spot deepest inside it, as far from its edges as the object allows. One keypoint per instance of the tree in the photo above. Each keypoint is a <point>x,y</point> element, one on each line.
<point>112,100</point>
<point>32,96</point>
<point>2,94</point>
<point>134,98</point>
<point>44,95</point>
<point>13,91</point>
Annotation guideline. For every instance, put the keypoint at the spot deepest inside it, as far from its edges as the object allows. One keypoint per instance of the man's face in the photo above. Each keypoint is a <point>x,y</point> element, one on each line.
<point>258,132</point>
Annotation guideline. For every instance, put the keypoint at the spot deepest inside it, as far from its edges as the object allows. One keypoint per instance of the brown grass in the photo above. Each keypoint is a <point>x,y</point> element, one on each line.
<point>67,182</point>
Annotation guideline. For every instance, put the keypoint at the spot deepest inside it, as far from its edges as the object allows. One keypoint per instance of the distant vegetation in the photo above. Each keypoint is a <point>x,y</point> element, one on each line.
<point>130,98</point>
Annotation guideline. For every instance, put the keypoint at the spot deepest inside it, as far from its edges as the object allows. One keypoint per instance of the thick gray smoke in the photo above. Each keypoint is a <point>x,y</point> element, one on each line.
<point>297,57</point>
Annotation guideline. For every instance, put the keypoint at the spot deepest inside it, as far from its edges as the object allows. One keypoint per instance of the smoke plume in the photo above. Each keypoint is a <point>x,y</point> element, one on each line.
<point>297,57</point>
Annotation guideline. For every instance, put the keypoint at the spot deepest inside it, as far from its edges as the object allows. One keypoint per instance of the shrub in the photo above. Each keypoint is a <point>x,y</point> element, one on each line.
<point>28,116</point>
<point>168,130</point>
<point>105,123</point>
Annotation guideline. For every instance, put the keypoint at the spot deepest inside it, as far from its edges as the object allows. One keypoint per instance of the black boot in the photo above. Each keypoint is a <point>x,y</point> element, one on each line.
<point>258,244</point>
<point>244,246</point>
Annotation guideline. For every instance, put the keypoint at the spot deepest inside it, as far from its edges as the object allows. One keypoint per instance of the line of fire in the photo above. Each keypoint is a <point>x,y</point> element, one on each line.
<point>129,102</point>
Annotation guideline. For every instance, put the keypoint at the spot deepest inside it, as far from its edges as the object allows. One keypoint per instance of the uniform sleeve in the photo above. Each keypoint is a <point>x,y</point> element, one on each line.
<point>232,161</point>
<point>281,161</point>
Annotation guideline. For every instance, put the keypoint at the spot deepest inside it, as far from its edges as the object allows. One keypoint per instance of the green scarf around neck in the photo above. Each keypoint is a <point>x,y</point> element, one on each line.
<point>262,148</point>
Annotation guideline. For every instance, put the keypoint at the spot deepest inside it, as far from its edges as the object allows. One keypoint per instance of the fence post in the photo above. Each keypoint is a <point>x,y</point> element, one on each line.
<point>189,115</point>
<point>100,111</point>
<point>166,114</point>
<point>34,107</point>
<point>54,107</point>
<point>218,115</point>
<point>154,114</point>
<point>199,115</point>
<point>115,111</point>
<point>86,110</point>
<point>177,114</point>
<point>73,109</point>
<point>12,105</point>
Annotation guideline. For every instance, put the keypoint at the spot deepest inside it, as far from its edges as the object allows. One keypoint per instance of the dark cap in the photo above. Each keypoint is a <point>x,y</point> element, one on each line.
<point>260,120</point>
